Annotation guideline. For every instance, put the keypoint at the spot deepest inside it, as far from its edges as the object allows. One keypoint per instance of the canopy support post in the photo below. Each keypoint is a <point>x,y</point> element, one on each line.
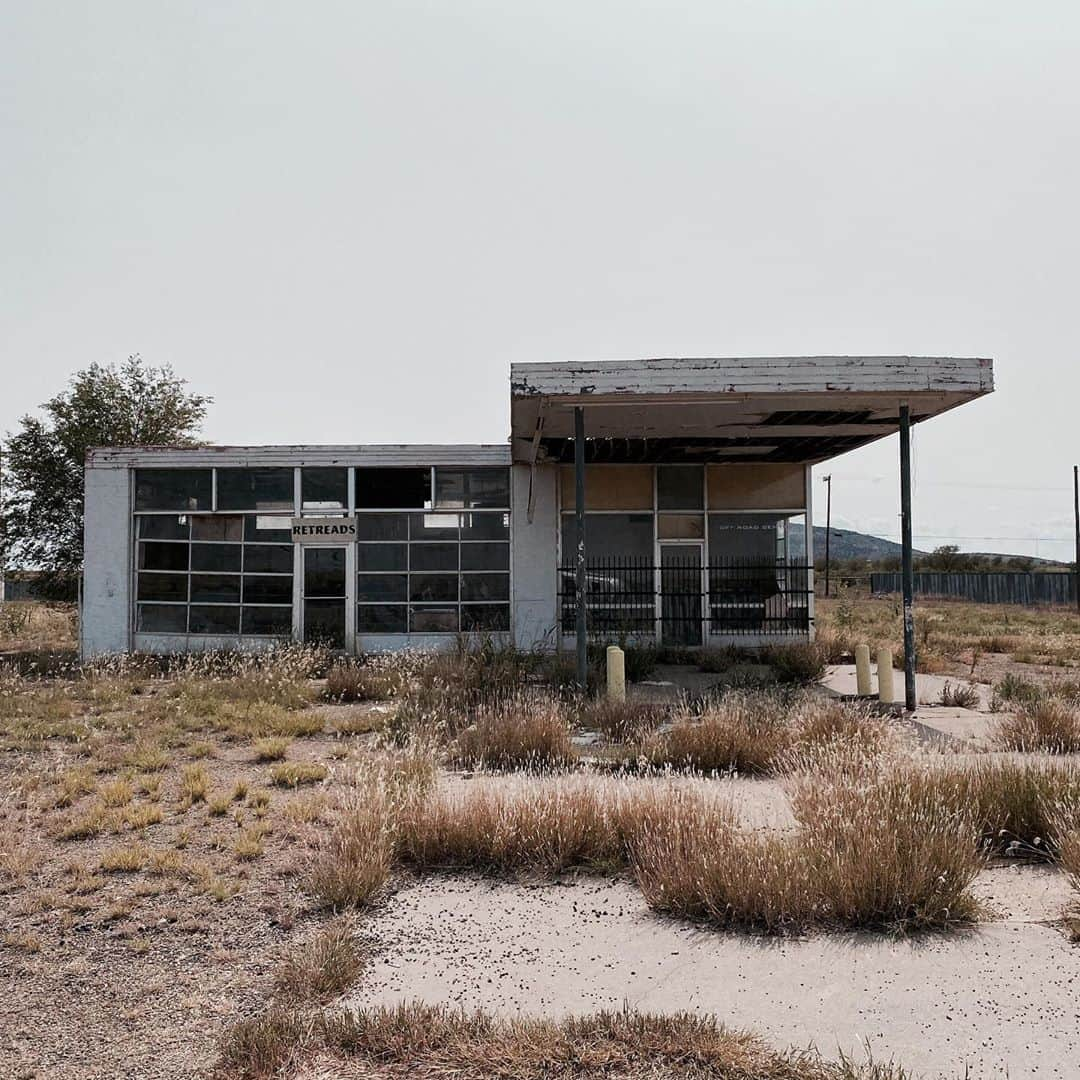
<point>581,629</point>
<point>907,561</point>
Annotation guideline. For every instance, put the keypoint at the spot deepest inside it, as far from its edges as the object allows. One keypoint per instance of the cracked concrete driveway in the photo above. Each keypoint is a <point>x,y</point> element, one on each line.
<point>1005,996</point>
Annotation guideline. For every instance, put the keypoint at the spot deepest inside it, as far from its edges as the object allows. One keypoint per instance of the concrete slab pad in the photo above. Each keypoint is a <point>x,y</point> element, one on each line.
<point>1002,997</point>
<point>840,679</point>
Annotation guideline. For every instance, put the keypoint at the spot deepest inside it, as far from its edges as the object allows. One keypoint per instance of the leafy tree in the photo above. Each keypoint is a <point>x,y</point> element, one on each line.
<point>41,501</point>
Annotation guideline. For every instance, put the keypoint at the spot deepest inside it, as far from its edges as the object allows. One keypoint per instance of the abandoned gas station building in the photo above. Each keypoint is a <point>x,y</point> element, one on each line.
<point>691,479</point>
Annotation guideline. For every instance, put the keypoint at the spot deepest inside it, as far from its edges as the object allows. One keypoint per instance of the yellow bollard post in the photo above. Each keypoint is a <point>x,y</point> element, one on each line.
<point>863,686</point>
<point>885,675</point>
<point>616,673</point>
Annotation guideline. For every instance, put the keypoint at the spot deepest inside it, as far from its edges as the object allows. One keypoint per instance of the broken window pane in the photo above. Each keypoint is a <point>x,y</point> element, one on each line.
<point>472,488</point>
<point>393,489</point>
<point>433,526</point>
<point>220,527</point>
<point>163,556</point>
<point>265,528</point>
<point>382,527</point>
<point>164,526</point>
<point>255,489</point>
<point>485,526</point>
<point>324,489</point>
<point>173,489</point>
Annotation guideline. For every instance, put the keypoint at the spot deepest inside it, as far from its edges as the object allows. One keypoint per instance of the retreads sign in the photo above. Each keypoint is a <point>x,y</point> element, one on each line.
<point>324,530</point>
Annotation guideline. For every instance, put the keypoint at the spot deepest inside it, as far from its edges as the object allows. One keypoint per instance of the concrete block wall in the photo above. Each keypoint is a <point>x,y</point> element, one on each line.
<point>106,606</point>
<point>533,557</point>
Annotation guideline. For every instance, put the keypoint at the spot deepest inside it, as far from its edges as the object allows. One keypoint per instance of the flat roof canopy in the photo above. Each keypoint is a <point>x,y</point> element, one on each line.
<point>796,408</point>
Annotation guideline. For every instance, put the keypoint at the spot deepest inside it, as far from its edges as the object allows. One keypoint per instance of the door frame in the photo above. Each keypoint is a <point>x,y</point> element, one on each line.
<point>699,545</point>
<point>350,592</point>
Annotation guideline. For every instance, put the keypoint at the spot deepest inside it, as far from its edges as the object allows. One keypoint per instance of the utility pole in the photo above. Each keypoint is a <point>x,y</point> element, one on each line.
<point>828,526</point>
<point>1076,523</point>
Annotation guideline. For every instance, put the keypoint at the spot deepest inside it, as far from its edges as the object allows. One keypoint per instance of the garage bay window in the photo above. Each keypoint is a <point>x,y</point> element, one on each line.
<point>225,574</point>
<point>433,565</point>
<point>210,573</point>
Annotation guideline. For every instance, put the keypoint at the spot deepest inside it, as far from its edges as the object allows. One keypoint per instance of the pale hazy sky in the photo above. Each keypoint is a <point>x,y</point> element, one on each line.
<point>345,220</point>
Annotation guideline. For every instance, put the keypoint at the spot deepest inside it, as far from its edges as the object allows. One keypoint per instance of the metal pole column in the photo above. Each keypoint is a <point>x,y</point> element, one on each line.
<point>828,528</point>
<point>907,561</point>
<point>581,627</point>
<point>1076,526</point>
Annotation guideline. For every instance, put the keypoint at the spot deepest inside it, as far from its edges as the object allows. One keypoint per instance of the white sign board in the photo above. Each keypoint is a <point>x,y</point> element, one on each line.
<point>323,530</point>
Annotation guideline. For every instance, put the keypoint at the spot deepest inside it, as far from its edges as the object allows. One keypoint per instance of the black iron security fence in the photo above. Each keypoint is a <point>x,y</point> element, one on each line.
<point>681,600</point>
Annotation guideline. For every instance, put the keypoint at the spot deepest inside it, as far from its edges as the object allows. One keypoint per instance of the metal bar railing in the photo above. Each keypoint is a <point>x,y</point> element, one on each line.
<point>683,601</point>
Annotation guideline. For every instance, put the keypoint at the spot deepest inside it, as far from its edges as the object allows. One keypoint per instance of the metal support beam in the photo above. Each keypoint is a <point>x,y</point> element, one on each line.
<point>581,628</point>
<point>907,560</point>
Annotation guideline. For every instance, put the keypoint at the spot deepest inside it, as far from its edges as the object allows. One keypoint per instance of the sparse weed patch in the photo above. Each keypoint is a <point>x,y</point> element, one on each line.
<point>326,966</point>
<point>294,773</point>
<point>271,748</point>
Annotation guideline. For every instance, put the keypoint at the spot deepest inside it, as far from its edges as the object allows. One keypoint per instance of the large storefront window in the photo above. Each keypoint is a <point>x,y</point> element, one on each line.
<point>227,574</point>
<point>434,573</point>
<point>432,551</point>
<point>619,573</point>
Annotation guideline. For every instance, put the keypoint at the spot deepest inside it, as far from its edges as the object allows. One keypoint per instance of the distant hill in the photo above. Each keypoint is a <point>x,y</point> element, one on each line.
<point>847,544</point>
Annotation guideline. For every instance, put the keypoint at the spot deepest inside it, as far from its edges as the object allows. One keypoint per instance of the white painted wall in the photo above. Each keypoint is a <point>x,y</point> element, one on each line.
<point>106,607</point>
<point>533,557</point>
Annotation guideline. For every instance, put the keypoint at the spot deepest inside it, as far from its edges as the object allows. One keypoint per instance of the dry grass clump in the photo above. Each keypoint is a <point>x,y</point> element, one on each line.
<point>802,664</point>
<point>272,748</point>
<point>294,773</point>
<point>194,784</point>
<point>545,825</point>
<point>621,721</point>
<point>757,732</point>
<point>1048,725</point>
<point>324,968</point>
<point>377,679</point>
<point>441,1040</point>
<point>522,732</point>
<point>258,1047</point>
<point>871,850</point>
<point>354,858</point>
<point>959,696</point>
<point>1070,863</point>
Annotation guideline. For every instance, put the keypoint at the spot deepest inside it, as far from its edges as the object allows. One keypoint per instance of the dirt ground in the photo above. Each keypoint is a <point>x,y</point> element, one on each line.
<point>135,973</point>
<point>127,951</point>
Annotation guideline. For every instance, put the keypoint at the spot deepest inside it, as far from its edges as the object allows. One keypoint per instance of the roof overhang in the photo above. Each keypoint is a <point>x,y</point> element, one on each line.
<point>802,409</point>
